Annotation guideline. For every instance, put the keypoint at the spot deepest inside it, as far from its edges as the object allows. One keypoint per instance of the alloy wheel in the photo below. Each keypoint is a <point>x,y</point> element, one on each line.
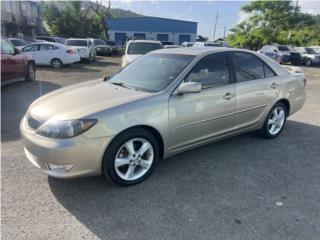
<point>276,120</point>
<point>133,159</point>
<point>31,72</point>
<point>56,63</point>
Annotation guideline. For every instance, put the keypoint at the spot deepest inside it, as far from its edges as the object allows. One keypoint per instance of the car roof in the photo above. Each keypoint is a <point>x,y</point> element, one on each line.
<point>83,39</point>
<point>197,51</point>
<point>143,41</point>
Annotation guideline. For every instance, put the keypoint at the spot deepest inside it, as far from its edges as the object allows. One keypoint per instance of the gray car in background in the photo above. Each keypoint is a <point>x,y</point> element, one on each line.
<point>164,103</point>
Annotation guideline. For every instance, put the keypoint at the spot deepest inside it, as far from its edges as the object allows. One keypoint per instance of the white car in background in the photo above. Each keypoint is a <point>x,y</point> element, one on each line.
<point>309,55</point>
<point>84,47</point>
<point>51,54</point>
<point>137,48</point>
<point>316,48</point>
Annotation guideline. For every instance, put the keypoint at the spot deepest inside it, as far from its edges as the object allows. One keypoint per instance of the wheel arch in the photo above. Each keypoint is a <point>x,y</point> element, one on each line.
<point>286,103</point>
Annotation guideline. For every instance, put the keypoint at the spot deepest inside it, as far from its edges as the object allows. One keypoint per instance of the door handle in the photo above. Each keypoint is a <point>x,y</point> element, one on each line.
<point>228,96</point>
<point>274,85</point>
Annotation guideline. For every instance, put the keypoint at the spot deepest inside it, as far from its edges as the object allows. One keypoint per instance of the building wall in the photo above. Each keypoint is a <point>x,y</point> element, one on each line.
<point>20,17</point>
<point>172,37</point>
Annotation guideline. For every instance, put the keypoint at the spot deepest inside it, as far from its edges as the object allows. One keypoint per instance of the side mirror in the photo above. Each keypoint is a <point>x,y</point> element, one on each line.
<point>189,87</point>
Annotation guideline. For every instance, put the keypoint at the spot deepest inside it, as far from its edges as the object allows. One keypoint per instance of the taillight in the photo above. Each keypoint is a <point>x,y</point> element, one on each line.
<point>305,82</point>
<point>69,51</point>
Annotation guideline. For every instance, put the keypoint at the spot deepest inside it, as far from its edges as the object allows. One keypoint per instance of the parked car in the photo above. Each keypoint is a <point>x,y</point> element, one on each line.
<point>113,46</point>
<point>309,56</point>
<point>279,53</point>
<point>84,47</point>
<point>101,47</point>
<point>137,48</point>
<point>165,102</point>
<point>316,48</point>
<point>187,44</point>
<point>52,54</point>
<point>52,39</point>
<point>17,42</point>
<point>15,65</point>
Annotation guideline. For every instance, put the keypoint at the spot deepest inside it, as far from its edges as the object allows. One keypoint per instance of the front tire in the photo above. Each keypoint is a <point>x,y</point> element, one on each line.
<point>131,157</point>
<point>308,62</point>
<point>31,72</point>
<point>275,121</point>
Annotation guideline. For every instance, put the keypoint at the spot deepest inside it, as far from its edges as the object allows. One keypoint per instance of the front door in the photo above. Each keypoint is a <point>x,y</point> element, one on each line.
<point>199,117</point>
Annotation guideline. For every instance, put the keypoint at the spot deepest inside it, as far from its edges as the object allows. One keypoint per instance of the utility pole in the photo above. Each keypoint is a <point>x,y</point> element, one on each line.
<point>224,32</point>
<point>215,26</point>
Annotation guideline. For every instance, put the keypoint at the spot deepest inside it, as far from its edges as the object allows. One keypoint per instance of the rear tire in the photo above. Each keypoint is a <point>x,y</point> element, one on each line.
<point>275,121</point>
<point>31,72</point>
<point>56,63</point>
<point>141,162</point>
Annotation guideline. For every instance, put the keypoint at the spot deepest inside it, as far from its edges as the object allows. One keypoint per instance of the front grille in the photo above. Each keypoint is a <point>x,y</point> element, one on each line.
<point>34,123</point>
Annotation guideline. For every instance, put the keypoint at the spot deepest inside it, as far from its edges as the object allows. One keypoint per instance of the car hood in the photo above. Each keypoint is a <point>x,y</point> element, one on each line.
<point>81,100</point>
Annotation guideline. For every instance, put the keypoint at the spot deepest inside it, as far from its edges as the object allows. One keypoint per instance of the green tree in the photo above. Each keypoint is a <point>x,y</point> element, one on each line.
<point>74,20</point>
<point>274,22</point>
<point>102,13</point>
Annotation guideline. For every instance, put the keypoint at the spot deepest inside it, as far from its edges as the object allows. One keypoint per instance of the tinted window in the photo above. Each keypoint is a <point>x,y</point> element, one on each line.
<point>99,42</point>
<point>283,48</point>
<point>310,51</point>
<point>78,43</point>
<point>47,47</point>
<point>6,47</point>
<point>30,48</point>
<point>111,43</point>
<point>152,72</point>
<point>18,42</point>
<point>268,72</point>
<point>142,48</point>
<point>247,67</point>
<point>211,71</point>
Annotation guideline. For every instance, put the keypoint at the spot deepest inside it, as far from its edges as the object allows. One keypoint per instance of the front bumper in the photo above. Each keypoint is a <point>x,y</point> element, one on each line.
<point>84,155</point>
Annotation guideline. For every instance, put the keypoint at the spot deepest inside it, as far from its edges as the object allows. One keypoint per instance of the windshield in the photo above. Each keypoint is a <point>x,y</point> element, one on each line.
<point>99,42</point>
<point>283,48</point>
<point>142,48</point>
<point>310,51</point>
<point>152,72</point>
<point>78,43</point>
<point>18,42</point>
<point>316,49</point>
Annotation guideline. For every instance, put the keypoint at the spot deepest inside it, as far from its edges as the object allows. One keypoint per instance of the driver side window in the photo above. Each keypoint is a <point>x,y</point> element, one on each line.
<point>211,71</point>
<point>6,47</point>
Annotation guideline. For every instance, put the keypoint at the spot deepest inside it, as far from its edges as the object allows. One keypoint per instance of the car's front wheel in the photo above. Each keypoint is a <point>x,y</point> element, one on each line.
<point>308,62</point>
<point>31,72</point>
<point>275,121</point>
<point>131,157</point>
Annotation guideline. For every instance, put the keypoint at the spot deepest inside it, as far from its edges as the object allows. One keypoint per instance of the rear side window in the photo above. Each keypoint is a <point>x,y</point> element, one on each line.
<point>211,71</point>
<point>247,67</point>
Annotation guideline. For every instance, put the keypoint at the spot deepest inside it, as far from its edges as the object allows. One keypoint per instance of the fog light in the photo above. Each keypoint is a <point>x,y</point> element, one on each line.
<point>60,168</point>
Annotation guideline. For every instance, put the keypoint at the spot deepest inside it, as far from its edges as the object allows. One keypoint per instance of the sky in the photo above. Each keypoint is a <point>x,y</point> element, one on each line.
<point>203,12</point>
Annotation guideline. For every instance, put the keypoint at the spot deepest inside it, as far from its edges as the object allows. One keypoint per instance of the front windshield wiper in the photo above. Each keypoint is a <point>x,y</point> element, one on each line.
<point>122,85</point>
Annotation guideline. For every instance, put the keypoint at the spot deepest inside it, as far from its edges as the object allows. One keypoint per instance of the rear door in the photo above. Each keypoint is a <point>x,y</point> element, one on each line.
<point>257,87</point>
<point>46,53</point>
<point>200,117</point>
<point>32,50</point>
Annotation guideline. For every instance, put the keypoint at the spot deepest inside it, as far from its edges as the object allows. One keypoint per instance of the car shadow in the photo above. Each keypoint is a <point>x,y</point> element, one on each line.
<point>220,182</point>
<point>15,100</point>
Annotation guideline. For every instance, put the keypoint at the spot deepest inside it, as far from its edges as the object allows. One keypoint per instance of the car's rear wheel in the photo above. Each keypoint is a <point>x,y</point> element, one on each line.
<point>275,121</point>
<point>131,157</point>
<point>56,63</point>
<point>31,72</point>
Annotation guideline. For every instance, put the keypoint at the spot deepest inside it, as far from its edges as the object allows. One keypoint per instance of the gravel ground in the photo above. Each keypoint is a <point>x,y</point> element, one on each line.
<point>240,188</point>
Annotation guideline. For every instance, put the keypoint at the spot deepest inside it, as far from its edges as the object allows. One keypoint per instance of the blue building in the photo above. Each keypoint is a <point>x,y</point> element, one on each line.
<point>152,28</point>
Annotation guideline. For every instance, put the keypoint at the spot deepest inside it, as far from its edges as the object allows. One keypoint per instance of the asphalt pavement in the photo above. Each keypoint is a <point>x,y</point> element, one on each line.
<point>244,187</point>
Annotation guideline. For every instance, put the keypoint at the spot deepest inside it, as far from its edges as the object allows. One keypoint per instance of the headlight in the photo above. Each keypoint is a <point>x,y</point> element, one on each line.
<point>65,129</point>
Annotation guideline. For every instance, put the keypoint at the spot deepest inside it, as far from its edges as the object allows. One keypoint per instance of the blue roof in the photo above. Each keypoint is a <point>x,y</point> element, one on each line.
<point>151,24</point>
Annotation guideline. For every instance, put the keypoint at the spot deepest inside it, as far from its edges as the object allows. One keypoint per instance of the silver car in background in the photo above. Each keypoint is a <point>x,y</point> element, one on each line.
<point>164,103</point>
